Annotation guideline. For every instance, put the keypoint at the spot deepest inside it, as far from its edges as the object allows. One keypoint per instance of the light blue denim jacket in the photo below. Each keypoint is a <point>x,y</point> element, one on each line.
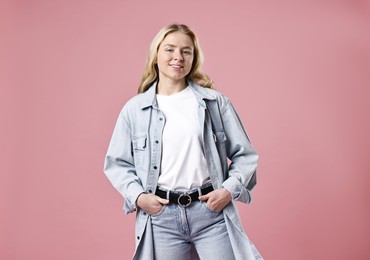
<point>133,161</point>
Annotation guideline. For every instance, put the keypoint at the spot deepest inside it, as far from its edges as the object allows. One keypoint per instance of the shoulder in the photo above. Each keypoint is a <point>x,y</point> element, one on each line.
<point>213,95</point>
<point>135,101</point>
<point>133,107</point>
<point>210,94</point>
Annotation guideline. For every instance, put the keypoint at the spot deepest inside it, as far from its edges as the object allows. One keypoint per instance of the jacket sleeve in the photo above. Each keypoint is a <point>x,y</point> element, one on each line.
<point>119,164</point>
<point>242,169</point>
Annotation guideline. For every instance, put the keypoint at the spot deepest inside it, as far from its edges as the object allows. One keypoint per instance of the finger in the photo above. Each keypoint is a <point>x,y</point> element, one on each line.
<point>204,197</point>
<point>162,201</point>
<point>211,205</point>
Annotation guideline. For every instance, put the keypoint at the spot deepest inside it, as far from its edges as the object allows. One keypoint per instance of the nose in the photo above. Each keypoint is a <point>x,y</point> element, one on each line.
<point>178,55</point>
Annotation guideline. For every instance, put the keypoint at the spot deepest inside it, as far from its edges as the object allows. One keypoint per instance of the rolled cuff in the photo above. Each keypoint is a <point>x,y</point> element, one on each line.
<point>237,191</point>
<point>131,196</point>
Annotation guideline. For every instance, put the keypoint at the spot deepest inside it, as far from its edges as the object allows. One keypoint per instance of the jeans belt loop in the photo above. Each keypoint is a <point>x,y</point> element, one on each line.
<point>168,195</point>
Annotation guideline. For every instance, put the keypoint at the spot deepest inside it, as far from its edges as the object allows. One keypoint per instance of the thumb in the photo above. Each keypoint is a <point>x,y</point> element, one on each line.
<point>204,197</point>
<point>162,201</point>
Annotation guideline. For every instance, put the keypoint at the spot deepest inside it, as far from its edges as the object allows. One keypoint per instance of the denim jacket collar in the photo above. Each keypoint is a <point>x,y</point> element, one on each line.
<point>149,98</point>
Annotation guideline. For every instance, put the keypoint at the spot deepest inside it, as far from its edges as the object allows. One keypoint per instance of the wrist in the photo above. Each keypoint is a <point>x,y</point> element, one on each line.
<point>228,194</point>
<point>137,199</point>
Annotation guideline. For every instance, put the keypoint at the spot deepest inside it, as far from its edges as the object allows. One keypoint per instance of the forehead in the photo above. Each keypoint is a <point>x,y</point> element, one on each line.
<point>178,39</point>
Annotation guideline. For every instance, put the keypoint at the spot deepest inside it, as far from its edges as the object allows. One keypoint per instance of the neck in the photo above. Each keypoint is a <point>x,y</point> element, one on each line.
<point>169,88</point>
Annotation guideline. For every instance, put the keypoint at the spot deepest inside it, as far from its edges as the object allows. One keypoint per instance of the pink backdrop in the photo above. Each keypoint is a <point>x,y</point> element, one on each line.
<point>298,72</point>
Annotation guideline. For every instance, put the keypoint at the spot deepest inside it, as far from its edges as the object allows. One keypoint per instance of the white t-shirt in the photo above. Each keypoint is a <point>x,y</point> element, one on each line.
<point>183,165</point>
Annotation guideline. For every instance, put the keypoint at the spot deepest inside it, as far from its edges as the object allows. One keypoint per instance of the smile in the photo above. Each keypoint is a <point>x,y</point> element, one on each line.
<point>176,66</point>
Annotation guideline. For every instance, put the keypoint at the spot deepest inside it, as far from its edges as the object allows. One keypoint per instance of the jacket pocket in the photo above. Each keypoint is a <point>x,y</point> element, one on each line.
<point>221,144</point>
<point>219,137</point>
<point>139,145</point>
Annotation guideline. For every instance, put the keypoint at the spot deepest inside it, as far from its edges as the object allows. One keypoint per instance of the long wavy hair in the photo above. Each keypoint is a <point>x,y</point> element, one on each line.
<point>151,70</point>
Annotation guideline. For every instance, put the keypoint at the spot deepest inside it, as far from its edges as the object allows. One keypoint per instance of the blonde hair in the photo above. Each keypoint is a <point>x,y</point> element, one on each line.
<point>150,72</point>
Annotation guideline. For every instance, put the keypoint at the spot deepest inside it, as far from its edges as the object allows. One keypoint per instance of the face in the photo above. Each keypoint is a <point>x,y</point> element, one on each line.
<point>175,57</point>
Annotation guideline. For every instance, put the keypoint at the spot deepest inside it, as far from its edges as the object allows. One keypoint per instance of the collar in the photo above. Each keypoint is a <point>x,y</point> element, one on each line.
<point>149,96</point>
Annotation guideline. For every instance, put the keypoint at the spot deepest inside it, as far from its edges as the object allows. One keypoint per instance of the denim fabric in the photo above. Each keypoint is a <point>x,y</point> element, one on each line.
<point>132,163</point>
<point>178,230</point>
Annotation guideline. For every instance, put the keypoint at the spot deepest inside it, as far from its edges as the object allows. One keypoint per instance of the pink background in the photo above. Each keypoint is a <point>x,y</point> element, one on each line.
<point>298,73</point>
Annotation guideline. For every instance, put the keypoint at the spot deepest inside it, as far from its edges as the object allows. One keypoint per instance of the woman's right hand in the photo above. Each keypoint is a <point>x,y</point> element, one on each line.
<point>150,203</point>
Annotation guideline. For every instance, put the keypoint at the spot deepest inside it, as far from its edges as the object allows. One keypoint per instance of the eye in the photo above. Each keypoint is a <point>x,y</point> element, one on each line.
<point>187,52</point>
<point>169,50</point>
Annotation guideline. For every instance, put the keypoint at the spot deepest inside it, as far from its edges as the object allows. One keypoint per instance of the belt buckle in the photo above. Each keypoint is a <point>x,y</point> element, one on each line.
<point>184,200</point>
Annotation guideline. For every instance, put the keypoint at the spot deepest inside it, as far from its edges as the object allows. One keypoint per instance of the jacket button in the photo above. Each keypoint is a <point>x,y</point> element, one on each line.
<point>161,118</point>
<point>155,167</point>
<point>138,237</point>
<point>150,191</point>
<point>156,141</point>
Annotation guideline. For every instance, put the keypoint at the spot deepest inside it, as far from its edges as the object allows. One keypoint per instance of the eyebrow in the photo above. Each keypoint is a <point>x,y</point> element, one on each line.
<point>171,45</point>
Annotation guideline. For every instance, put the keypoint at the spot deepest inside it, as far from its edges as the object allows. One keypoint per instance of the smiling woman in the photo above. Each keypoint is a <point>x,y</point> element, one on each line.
<point>174,61</point>
<point>151,69</point>
<point>168,157</point>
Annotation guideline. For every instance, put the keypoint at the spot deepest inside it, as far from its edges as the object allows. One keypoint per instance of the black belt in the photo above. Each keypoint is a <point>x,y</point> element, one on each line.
<point>183,198</point>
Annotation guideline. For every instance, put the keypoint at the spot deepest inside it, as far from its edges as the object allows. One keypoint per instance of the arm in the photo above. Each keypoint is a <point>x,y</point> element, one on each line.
<point>119,164</point>
<point>242,155</point>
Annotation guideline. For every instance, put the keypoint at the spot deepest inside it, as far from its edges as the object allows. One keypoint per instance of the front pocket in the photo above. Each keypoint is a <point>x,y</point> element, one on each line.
<point>204,204</point>
<point>139,145</point>
<point>160,212</point>
<point>220,137</point>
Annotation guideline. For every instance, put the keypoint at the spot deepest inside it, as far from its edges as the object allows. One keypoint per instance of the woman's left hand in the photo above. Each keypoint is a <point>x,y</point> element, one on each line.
<point>217,199</point>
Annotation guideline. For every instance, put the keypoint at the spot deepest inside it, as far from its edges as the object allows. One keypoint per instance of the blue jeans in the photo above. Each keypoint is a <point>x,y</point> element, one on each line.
<point>177,231</point>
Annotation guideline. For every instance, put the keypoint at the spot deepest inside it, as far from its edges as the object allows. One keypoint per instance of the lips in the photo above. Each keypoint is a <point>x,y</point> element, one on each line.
<point>176,66</point>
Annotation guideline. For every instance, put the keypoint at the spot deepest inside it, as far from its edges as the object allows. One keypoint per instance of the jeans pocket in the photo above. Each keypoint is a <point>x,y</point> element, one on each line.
<point>159,212</point>
<point>204,204</point>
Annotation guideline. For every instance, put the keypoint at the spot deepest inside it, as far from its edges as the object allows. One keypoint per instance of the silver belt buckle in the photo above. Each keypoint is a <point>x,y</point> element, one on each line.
<point>184,200</point>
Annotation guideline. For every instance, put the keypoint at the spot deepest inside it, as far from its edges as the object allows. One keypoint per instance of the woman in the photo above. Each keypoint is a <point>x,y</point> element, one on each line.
<point>168,158</point>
